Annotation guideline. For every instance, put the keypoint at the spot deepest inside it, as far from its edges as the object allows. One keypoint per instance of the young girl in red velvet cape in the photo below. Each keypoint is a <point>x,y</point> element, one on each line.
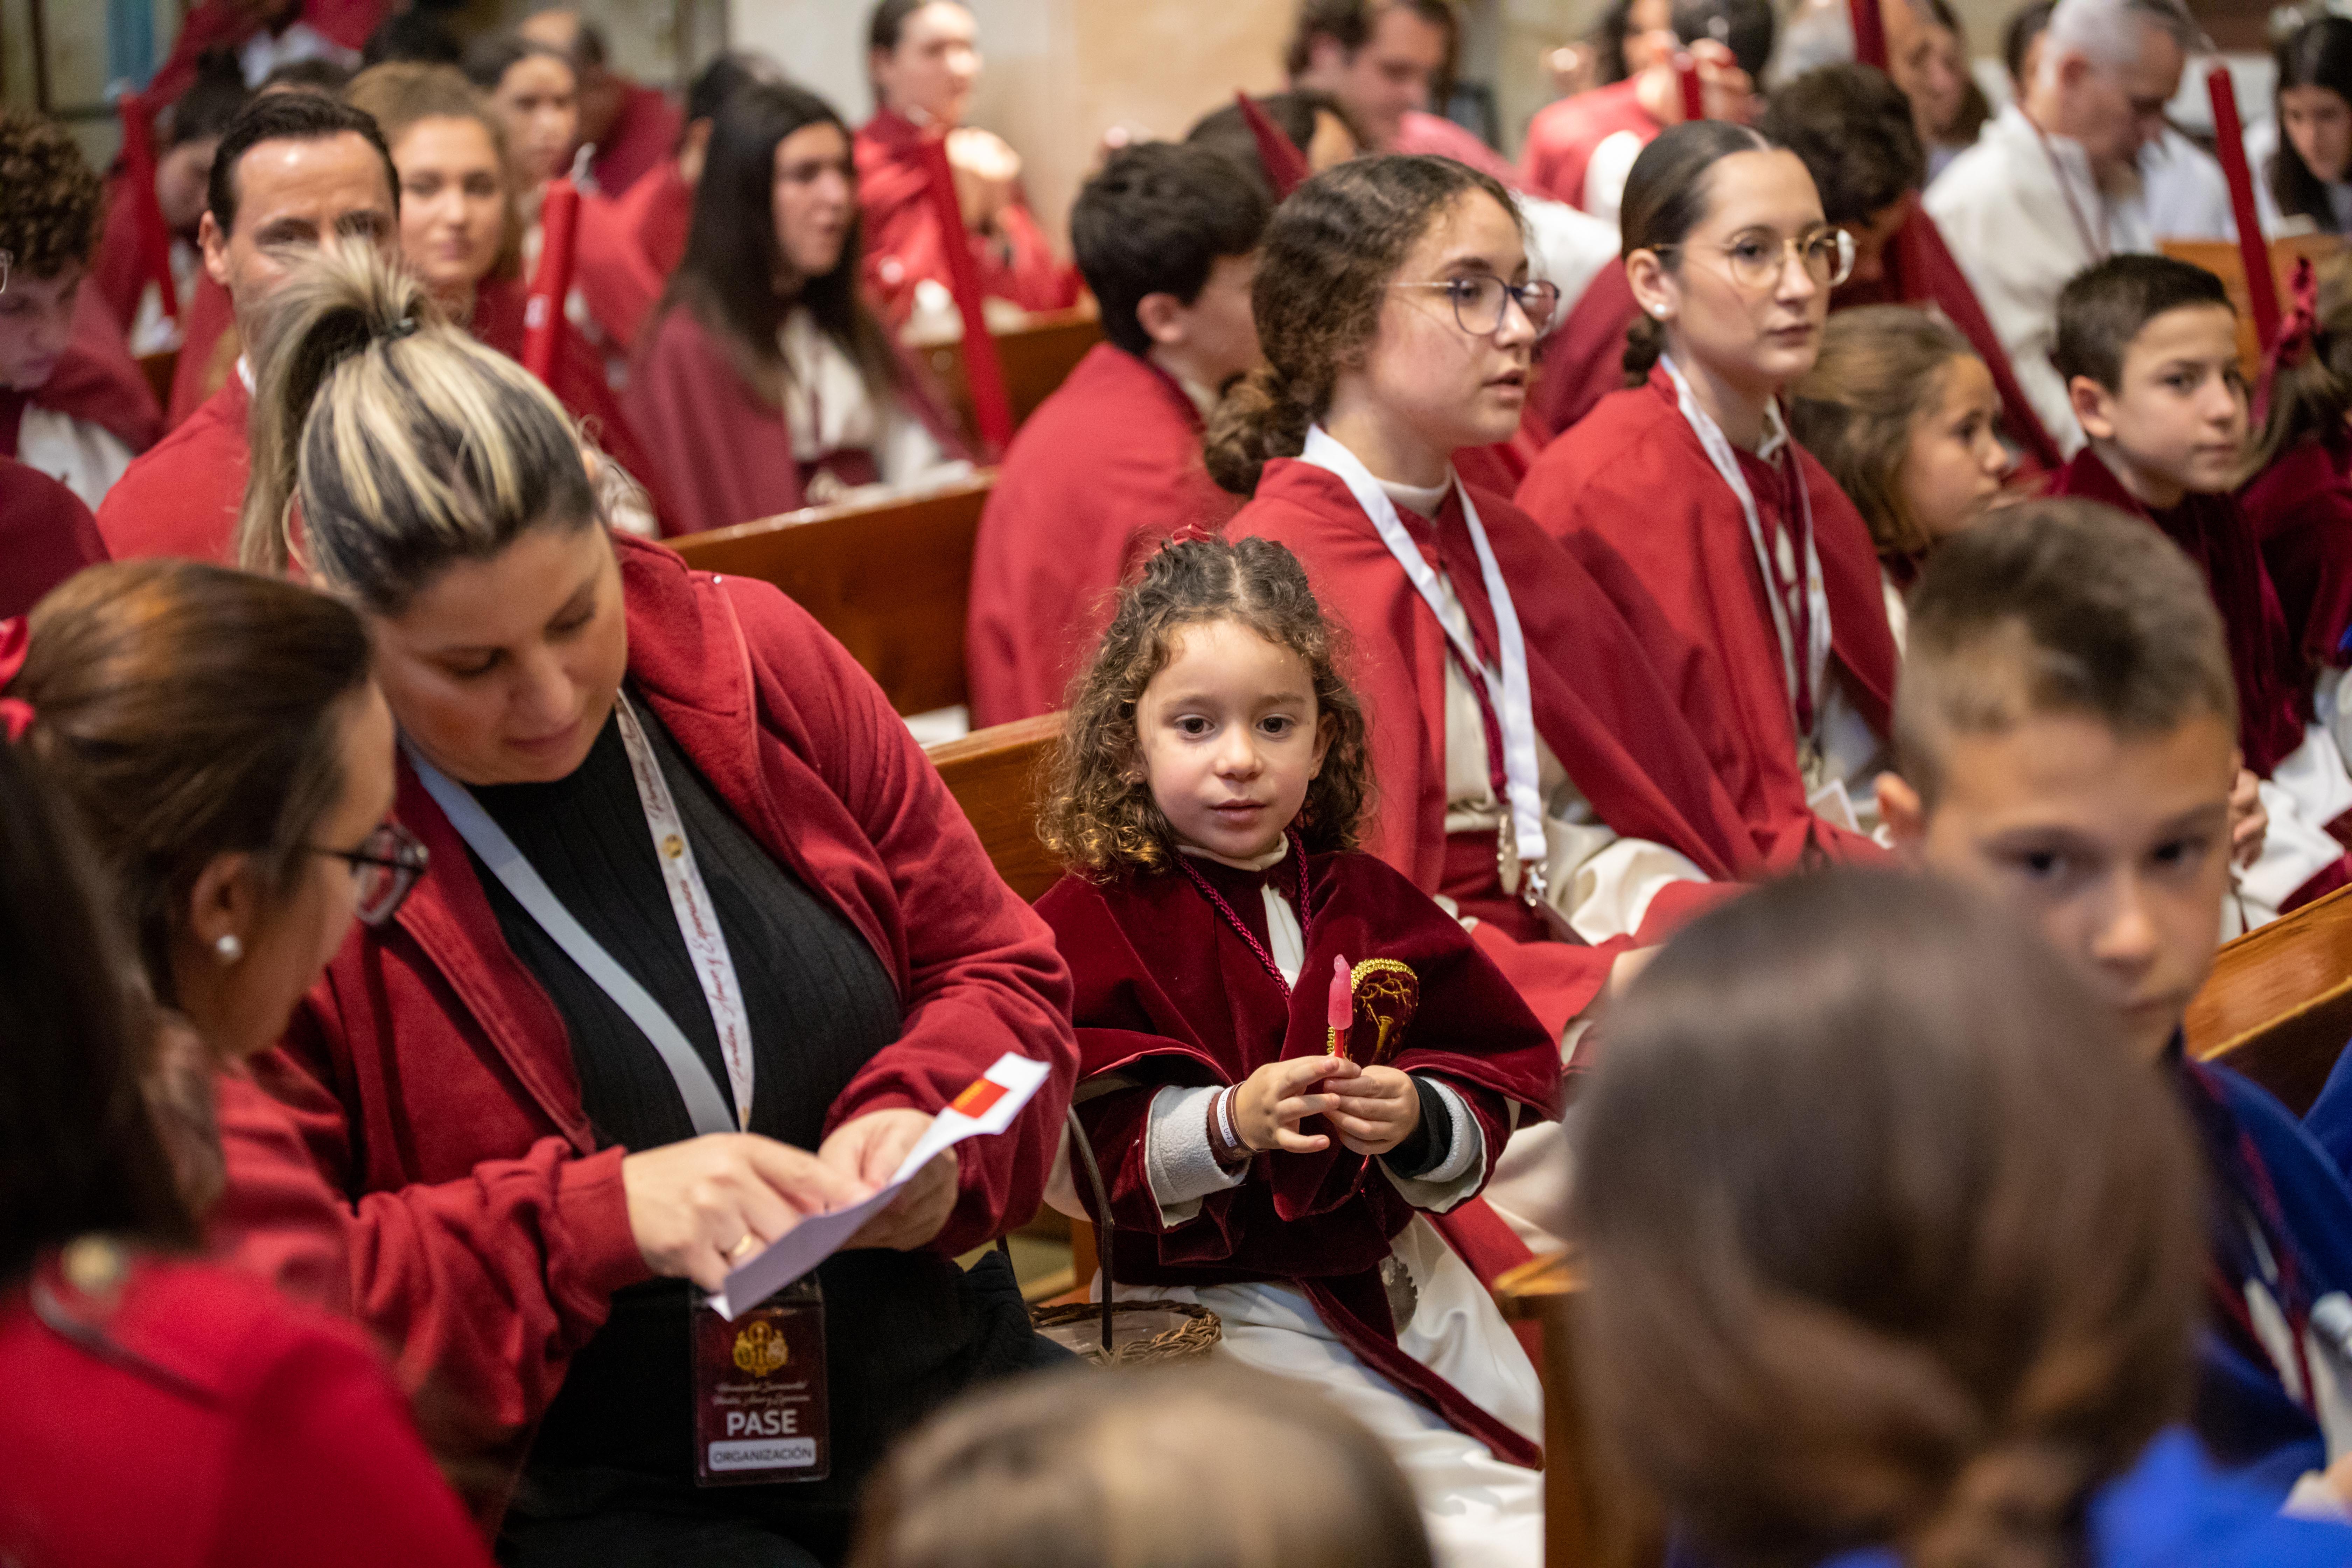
<point>1288,1053</point>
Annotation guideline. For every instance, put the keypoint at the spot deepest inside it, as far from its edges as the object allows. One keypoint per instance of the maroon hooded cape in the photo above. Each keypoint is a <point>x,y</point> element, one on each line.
<point>2273,687</point>
<point>1201,1009</point>
<point>2300,512</point>
<point>1106,470</point>
<point>904,245</point>
<point>1631,494</point>
<point>724,456</point>
<point>46,536</point>
<point>1626,729</point>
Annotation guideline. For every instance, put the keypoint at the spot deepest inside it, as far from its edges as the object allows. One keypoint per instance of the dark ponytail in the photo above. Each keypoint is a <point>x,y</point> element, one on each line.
<point>1667,195</point>
<point>1323,273</point>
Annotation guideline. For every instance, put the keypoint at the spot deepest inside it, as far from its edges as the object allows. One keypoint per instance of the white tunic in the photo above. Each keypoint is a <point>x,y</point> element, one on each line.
<point>85,459</point>
<point>829,407</point>
<point>2023,216</point>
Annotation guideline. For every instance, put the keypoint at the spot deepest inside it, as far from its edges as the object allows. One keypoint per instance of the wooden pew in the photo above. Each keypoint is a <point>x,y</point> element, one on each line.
<point>889,581</point>
<point>994,774</point>
<point>1593,1515</point>
<point>2278,1005</point>
<point>2221,258</point>
<point>1036,356</point>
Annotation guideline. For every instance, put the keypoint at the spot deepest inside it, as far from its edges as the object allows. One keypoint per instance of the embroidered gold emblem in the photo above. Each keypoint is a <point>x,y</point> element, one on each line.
<point>1388,993</point>
<point>759,1350</point>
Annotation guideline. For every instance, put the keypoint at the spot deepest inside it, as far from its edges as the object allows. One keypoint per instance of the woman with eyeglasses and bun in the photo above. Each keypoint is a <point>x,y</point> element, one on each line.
<point>218,740</point>
<point>1686,492</point>
<point>1534,770</point>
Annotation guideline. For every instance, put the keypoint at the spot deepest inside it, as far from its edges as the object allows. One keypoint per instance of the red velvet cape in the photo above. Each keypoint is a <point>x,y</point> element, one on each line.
<point>1106,470</point>
<point>1920,270</point>
<point>656,214</point>
<point>430,1076</point>
<point>2300,512</point>
<point>1563,136</point>
<point>1203,1010</point>
<point>610,269</point>
<point>2273,687</point>
<point>721,451</point>
<point>1632,495</point>
<point>46,536</point>
<point>197,1417</point>
<point>645,132</point>
<point>1620,727</point>
<point>96,380</point>
<point>904,245</point>
<point>183,498</point>
<point>1583,360</point>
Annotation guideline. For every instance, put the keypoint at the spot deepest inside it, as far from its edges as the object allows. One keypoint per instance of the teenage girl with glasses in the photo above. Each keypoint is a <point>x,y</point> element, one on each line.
<point>1533,771</point>
<point>1686,490</point>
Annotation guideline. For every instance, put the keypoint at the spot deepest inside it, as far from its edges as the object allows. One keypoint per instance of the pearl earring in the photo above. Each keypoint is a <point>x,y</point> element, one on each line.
<point>228,950</point>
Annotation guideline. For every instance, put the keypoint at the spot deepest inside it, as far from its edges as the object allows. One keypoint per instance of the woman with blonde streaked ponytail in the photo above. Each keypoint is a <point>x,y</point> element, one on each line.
<point>705,947</point>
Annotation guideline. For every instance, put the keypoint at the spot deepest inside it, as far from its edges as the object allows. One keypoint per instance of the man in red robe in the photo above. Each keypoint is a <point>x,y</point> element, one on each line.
<point>922,89</point>
<point>1579,149</point>
<point>293,169</point>
<point>627,128</point>
<point>1109,466</point>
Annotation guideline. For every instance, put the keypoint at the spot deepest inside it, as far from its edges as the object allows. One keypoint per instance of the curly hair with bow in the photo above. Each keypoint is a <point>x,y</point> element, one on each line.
<point>2306,385</point>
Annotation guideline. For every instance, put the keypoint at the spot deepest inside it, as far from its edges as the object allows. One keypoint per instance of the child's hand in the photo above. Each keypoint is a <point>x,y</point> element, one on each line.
<point>2250,822</point>
<point>1273,1100</point>
<point>1376,1113</point>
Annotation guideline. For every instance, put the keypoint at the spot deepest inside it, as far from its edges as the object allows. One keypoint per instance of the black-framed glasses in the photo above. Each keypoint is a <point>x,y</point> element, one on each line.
<point>387,863</point>
<point>1478,302</point>
<point>1756,259</point>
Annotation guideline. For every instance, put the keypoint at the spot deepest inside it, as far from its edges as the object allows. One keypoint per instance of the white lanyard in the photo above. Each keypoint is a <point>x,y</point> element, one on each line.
<point>1515,711</point>
<point>1718,448</point>
<point>691,903</point>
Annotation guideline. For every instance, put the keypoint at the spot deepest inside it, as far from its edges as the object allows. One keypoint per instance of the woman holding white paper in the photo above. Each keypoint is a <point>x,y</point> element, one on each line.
<point>690,876</point>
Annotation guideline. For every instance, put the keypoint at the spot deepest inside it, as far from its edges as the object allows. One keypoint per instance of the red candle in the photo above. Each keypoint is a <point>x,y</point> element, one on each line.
<point>1342,1014</point>
<point>1694,98</point>
<point>2230,145</point>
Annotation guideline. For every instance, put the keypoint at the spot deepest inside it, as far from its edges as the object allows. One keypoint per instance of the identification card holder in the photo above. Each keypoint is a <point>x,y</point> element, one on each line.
<point>760,1411</point>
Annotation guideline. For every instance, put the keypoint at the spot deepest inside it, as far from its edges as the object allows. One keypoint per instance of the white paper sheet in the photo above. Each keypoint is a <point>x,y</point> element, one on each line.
<point>989,1104</point>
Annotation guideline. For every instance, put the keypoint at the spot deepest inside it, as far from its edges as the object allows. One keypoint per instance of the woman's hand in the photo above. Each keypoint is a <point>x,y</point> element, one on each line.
<point>1376,1112</point>
<point>699,1208</point>
<point>869,1149</point>
<point>1272,1102</point>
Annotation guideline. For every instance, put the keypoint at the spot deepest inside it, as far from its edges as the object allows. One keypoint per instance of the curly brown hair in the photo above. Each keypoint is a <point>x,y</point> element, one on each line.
<point>1099,815</point>
<point>1323,273</point>
<point>49,221</point>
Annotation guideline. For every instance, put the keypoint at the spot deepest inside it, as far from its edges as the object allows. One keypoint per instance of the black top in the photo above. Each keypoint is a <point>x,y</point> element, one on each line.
<point>904,1330</point>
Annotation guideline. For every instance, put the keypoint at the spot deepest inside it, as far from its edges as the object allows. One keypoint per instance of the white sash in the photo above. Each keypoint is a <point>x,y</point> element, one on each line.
<point>1718,448</point>
<point>691,903</point>
<point>1515,711</point>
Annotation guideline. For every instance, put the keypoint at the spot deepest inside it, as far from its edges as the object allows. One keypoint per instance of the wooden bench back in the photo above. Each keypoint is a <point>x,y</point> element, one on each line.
<point>2221,258</point>
<point>995,775</point>
<point>890,581</point>
<point>1035,357</point>
<point>2278,1005</point>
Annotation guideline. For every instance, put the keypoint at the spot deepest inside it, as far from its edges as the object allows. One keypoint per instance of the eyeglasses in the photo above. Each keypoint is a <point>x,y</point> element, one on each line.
<point>387,863</point>
<point>1478,302</point>
<point>1757,259</point>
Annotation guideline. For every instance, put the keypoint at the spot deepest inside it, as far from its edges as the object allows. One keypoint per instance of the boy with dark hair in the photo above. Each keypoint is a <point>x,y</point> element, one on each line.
<point>71,402</point>
<point>1855,132</point>
<point>2065,737</point>
<point>1109,466</point>
<point>2150,349</point>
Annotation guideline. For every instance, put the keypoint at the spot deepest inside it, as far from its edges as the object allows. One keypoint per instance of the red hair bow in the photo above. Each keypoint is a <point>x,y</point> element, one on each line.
<point>2296,334</point>
<point>1285,167</point>
<point>16,642</point>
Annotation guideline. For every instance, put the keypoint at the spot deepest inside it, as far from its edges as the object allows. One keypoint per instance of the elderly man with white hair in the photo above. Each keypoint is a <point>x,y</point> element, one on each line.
<point>2047,190</point>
